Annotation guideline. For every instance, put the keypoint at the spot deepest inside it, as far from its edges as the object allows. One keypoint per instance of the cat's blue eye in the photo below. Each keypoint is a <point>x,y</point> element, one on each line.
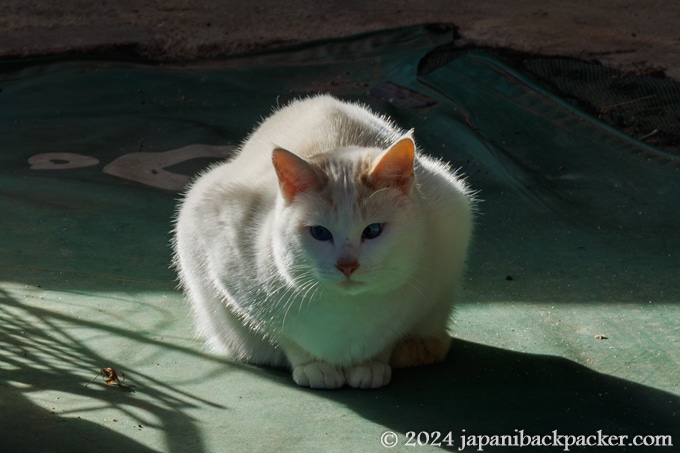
<point>372,231</point>
<point>320,233</point>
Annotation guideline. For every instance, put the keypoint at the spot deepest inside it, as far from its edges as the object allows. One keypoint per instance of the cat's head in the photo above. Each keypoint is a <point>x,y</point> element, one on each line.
<point>349,219</point>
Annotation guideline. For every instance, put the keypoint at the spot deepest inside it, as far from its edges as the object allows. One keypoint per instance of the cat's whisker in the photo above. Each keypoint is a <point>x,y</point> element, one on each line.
<point>292,294</point>
<point>309,286</point>
<point>314,287</point>
<point>287,306</point>
<point>301,300</point>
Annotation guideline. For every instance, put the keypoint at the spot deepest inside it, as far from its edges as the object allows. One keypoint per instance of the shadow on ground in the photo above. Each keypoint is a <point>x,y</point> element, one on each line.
<point>478,390</point>
<point>482,390</point>
<point>41,358</point>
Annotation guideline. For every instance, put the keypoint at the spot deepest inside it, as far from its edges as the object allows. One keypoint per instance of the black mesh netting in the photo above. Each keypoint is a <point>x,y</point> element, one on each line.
<point>642,102</point>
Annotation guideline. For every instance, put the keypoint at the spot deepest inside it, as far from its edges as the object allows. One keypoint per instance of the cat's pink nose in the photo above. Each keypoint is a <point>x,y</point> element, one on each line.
<point>347,267</point>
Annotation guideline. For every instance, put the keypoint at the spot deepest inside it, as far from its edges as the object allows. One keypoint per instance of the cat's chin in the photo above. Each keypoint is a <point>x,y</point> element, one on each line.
<point>352,287</point>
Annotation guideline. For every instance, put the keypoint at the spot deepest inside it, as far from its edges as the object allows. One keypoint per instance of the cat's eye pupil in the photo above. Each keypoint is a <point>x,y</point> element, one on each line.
<point>320,233</point>
<point>372,231</point>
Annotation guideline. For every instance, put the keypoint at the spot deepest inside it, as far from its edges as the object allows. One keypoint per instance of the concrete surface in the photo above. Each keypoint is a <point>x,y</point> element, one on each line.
<point>626,34</point>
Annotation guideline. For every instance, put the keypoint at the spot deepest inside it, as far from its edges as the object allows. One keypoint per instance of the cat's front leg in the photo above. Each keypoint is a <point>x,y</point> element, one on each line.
<point>372,374</point>
<point>323,375</point>
<point>369,375</point>
<point>308,371</point>
<point>318,375</point>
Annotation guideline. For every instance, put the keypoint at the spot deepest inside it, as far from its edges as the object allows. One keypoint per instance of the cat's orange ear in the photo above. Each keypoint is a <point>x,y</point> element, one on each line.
<point>295,174</point>
<point>394,167</point>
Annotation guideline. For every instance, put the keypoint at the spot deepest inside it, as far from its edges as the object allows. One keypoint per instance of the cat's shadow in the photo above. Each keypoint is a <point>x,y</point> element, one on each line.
<point>483,390</point>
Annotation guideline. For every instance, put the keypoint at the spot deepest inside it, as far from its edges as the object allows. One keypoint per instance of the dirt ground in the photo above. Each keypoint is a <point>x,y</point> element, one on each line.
<point>625,34</point>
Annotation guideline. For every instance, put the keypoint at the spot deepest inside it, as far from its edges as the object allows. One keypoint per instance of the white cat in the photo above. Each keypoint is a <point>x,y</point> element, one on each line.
<point>328,244</point>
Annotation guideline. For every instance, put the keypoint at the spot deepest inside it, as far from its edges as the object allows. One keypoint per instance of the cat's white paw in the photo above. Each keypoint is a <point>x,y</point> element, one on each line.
<point>318,375</point>
<point>369,375</point>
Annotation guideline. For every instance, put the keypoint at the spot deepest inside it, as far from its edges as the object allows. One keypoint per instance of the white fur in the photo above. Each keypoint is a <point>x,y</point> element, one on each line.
<point>264,291</point>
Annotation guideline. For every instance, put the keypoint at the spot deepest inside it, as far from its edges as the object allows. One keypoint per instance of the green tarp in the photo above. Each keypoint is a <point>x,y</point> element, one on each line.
<point>569,320</point>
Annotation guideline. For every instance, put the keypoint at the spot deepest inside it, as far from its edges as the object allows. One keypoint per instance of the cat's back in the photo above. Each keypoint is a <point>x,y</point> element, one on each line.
<point>306,127</point>
<point>316,125</point>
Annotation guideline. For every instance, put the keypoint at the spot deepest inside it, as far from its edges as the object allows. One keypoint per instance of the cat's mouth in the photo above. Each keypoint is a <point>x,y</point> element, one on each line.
<point>351,286</point>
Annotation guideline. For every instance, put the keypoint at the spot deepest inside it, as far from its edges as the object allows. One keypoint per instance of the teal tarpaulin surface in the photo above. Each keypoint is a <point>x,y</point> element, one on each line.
<point>569,323</point>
